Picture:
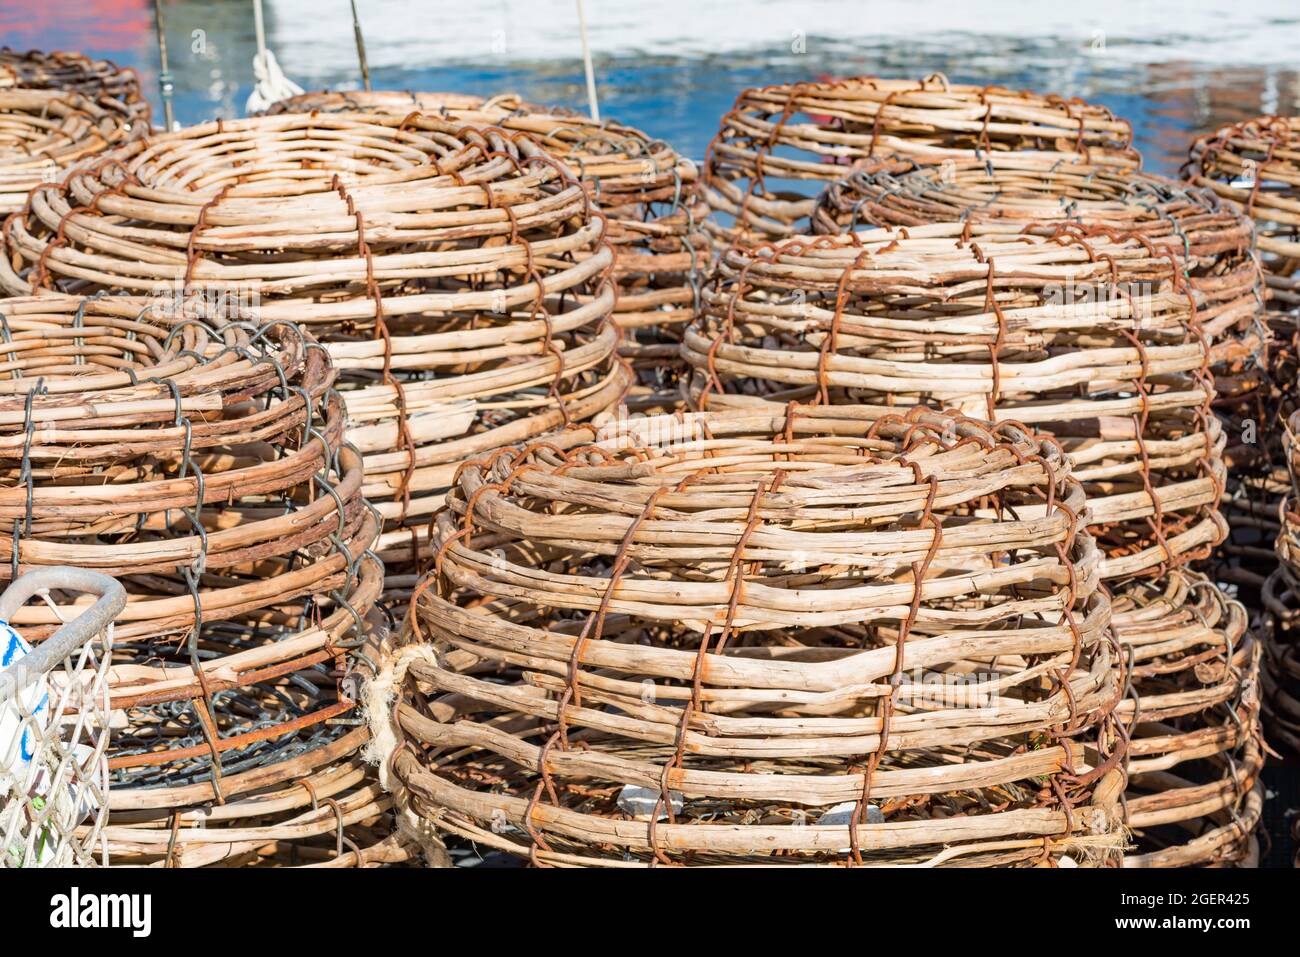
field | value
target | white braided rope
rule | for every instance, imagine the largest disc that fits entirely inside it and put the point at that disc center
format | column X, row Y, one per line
column 377, row 699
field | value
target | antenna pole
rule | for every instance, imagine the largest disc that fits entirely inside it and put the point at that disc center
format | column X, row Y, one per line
column 586, row 62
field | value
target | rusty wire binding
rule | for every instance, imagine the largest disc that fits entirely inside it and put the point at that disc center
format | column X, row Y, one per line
column 44, row 132
column 1043, row 330
column 699, row 640
column 649, row 194
column 200, row 458
column 1192, row 713
column 460, row 278
column 100, row 80
column 777, row 139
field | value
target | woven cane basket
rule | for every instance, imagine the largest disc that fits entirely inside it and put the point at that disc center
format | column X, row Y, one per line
column 1281, row 678
column 1192, row 714
column 1211, row 240
column 700, row 640
column 99, row 80
column 199, row 459
column 1090, row 338
column 44, row 132
column 649, row 194
column 460, row 279
column 778, row 139
column 1255, row 166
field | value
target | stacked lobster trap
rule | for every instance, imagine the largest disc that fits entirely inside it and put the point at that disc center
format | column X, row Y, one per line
column 1254, row 169
column 924, row 562
column 1022, row 271
column 781, row 638
column 199, row 458
column 460, row 279
column 1254, row 166
column 101, row 81
column 1213, row 245
column 1095, row 304
column 649, row 200
column 778, row 140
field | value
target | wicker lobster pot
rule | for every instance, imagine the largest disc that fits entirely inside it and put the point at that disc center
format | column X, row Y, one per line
column 1281, row 673
column 700, row 640
column 1255, row 166
column 777, row 140
column 100, row 80
column 1098, row 342
column 1281, row 678
column 1211, row 240
column 1089, row 338
column 460, row 279
column 44, row 132
column 649, row 194
column 1195, row 751
column 201, row 461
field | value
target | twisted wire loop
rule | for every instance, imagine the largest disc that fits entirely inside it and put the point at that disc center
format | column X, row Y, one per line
column 199, row 457
column 777, row 139
column 102, row 81
column 45, row 132
column 1090, row 338
column 458, row 276
column 650, row 196
column 1212, row 242
column 767, row 638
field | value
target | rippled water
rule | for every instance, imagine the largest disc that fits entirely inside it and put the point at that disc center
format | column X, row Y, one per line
column 673, row 67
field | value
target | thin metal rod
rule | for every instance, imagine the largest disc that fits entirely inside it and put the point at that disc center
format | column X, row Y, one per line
column 361, row 47
column 593, row 106
column 259, row 25
column 165, row 76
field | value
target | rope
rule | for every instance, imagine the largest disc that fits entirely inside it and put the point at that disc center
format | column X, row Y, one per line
column 378, row 700
column 272, row 85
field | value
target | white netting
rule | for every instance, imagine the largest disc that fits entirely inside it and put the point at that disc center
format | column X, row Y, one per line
column 54, row 736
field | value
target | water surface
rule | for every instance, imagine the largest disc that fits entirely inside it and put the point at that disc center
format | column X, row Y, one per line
column 673, row 67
